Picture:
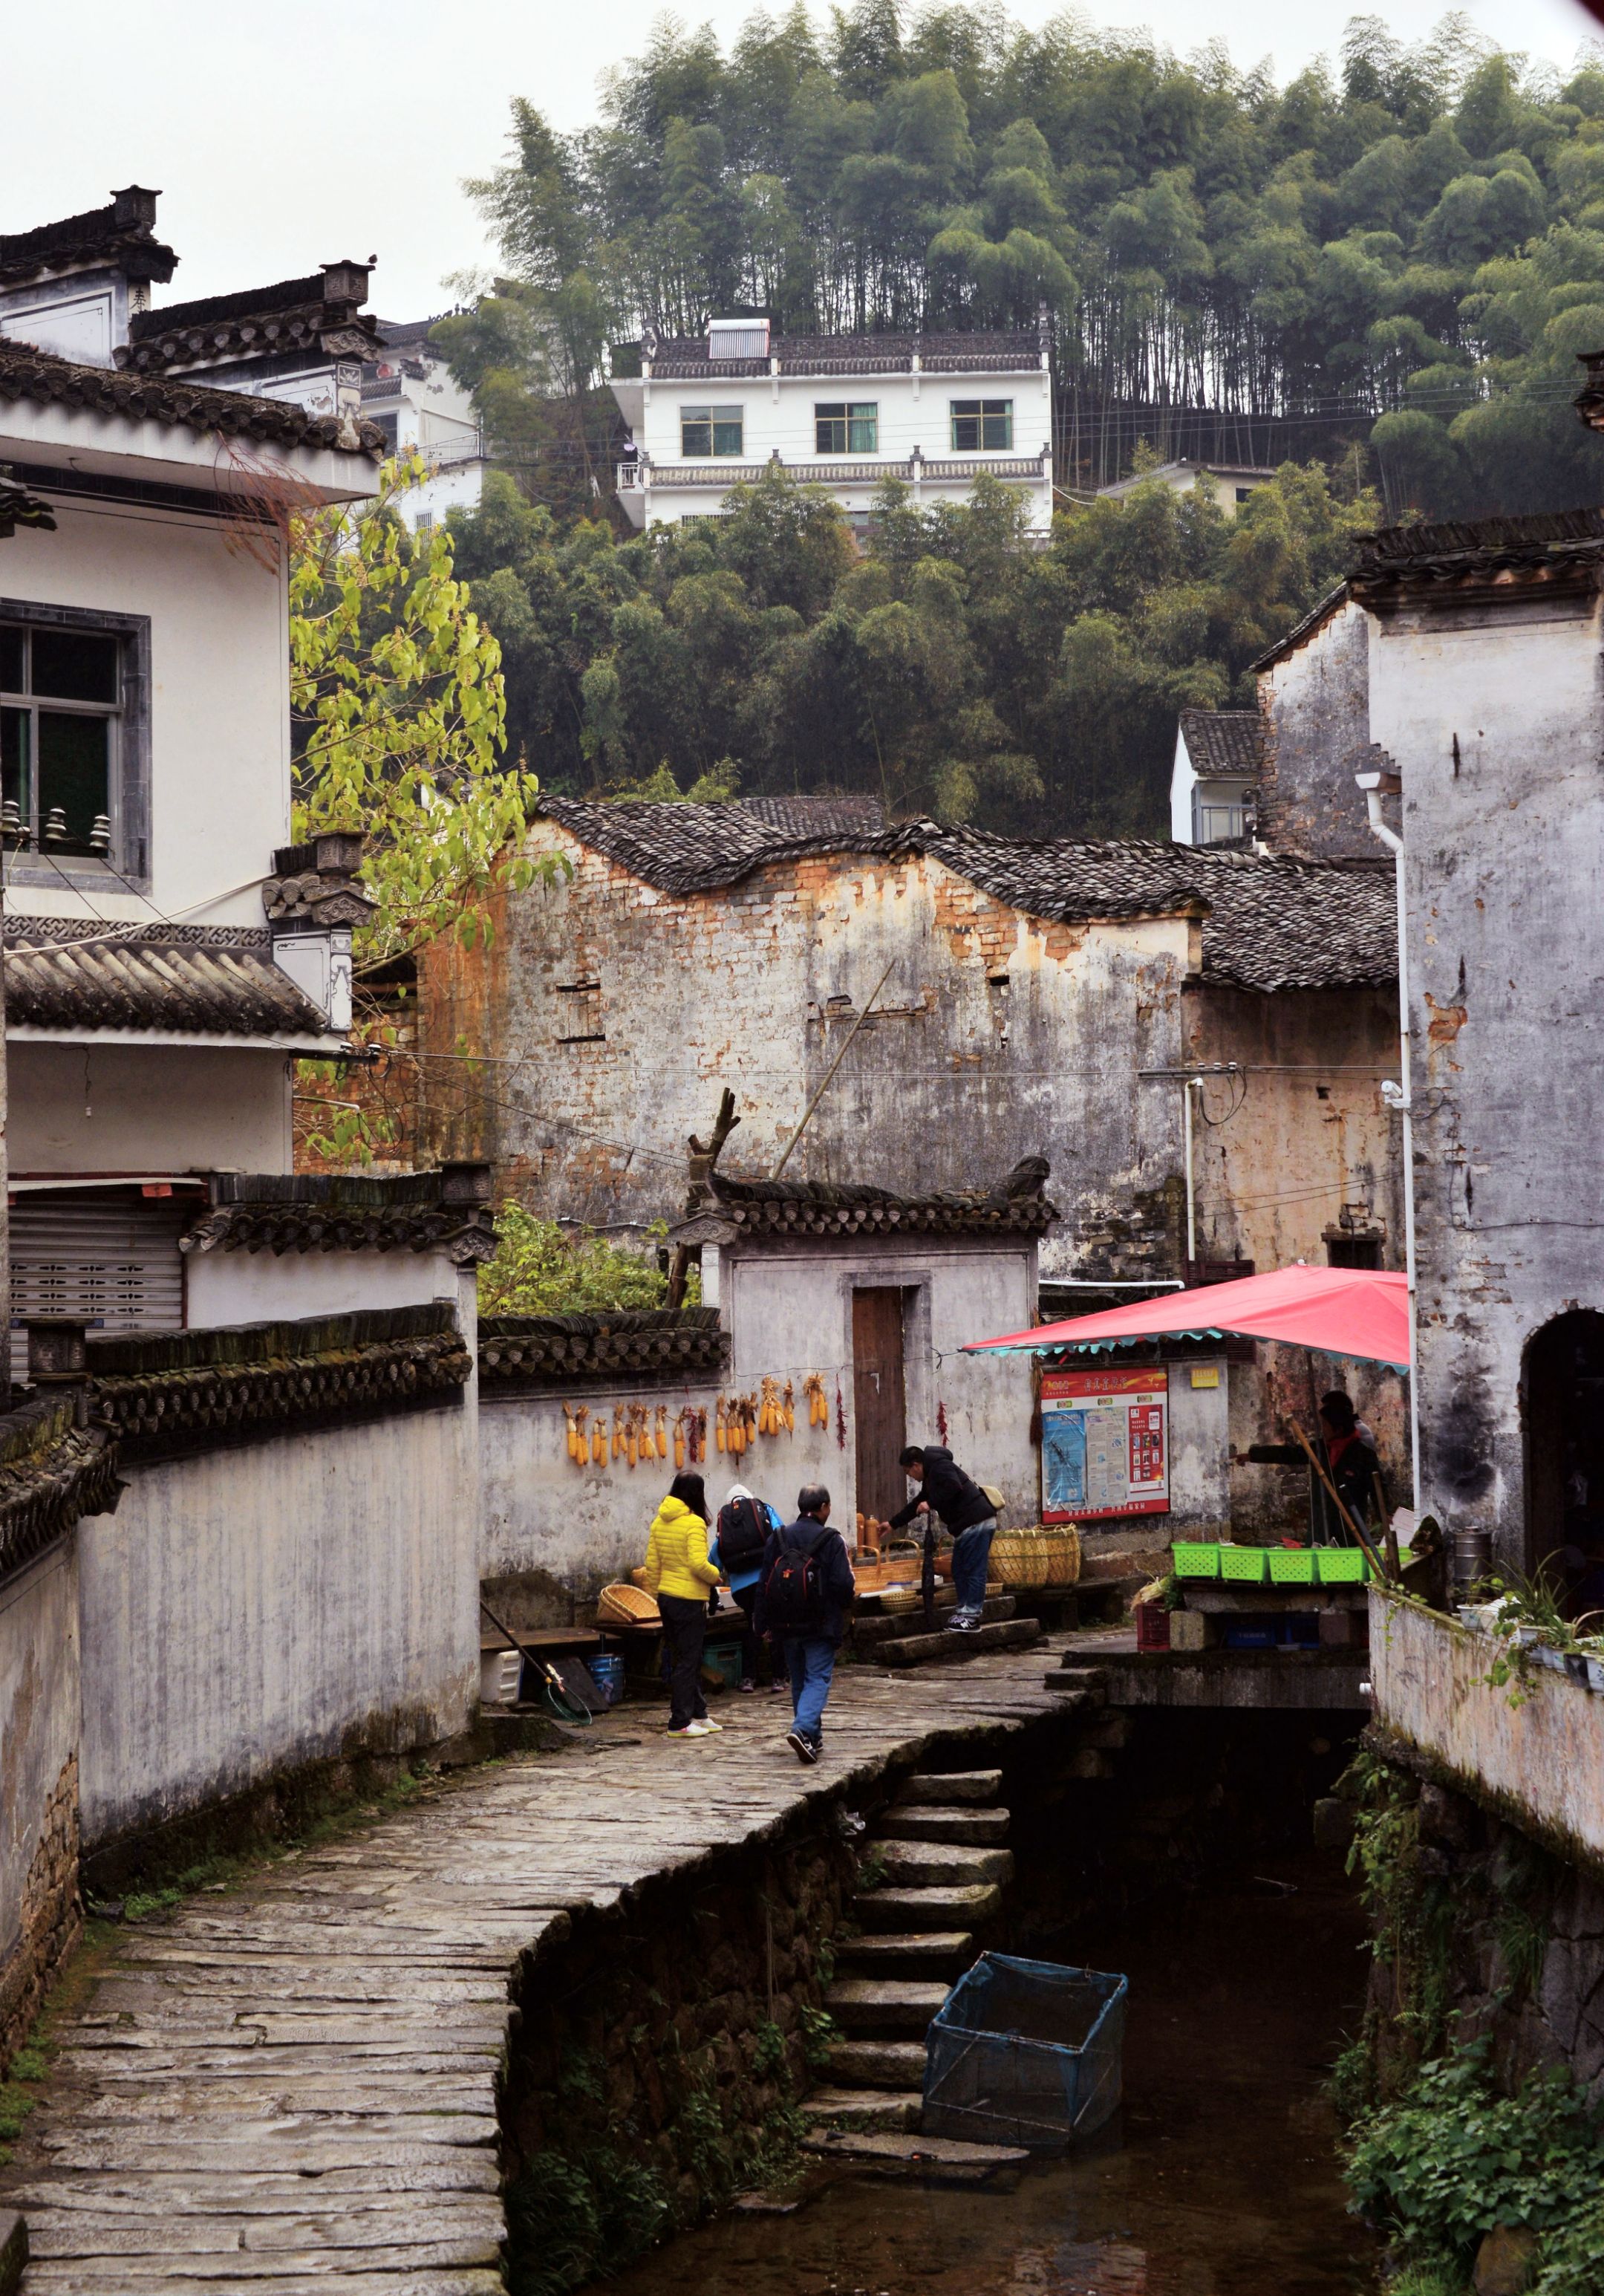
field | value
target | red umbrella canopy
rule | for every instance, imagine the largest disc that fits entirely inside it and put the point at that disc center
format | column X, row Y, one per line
column 1343, row 1311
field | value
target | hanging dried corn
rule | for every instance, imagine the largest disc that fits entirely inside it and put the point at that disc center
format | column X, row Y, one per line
column 618, row 1431
column 599, row 1440
column 573, row 1432
column 701, row 1435
column 720, row 1433
column 582, row 1440
column 662, row 1431
column 789, row 1409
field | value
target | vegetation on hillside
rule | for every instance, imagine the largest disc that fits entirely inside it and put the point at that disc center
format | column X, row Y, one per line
column 947, row 668
column 1409, row 244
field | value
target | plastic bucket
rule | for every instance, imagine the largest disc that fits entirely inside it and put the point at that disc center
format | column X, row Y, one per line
column 607, row 1672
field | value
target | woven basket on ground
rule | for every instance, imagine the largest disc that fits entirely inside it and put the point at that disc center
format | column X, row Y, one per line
column 909, row 1598
column 1040, row 1556
column 624, row 1606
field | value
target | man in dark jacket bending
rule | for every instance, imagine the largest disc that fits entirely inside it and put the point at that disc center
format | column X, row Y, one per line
column 969, row 1516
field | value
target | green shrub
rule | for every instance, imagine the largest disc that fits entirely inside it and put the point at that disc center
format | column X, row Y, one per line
column 1453, row 2158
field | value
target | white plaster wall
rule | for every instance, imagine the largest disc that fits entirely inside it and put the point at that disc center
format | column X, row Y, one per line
column 1183, row 780
column 259, row 1287
column 39, row 1715
column 1545, row 1754
column 571, row 1530
column 790, row 1315
column 1494, row 727
column 265, row 1605
column 1200, row 1437
column 219, row 699
column 152, row 1108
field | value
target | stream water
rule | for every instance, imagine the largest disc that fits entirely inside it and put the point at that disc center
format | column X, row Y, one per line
column 1218, row 2178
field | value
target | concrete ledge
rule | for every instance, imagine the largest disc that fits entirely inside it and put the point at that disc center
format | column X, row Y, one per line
column 1531, row 1749
column 14, row 2250
column 1275, row 1680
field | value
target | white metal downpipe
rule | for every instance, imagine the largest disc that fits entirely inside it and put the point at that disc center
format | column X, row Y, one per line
column 1376, row 786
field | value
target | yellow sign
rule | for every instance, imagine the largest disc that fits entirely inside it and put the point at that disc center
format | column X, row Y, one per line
column 1206, row 1374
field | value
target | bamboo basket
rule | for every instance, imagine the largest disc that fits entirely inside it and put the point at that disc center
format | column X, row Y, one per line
column 900, row 1600
column 1040, row 1556
column 623, row 1605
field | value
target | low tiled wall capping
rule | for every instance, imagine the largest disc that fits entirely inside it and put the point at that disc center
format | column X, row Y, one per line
column 649, row 1345
column 445, row 1210
column 1531, row 1747
column 54, row 1467
column 161, row 1392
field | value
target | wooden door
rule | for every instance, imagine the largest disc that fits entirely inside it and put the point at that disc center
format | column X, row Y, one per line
column 879, row 1400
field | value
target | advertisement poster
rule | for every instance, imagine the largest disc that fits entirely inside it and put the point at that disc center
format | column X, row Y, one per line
column 1105, row 1444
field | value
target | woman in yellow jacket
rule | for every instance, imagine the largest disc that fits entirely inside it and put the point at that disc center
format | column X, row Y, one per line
column 679, row 1575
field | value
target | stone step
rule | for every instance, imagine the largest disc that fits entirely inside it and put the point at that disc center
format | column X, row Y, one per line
column 944, row 1646
column 953, row 1785
column 918, row 2155
column 905, row 1948
column 929, row 1864
column 929, row 1823
column 887, row 2110
column 881, row 2006
column 966, row 1906
column 876, row 2064
column 875, row 1627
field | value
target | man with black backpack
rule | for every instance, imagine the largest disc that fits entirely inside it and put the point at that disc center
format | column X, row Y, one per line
column 805, row 1599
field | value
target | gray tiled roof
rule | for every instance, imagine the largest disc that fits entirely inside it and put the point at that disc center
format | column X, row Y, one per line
column 1562, row 545
column 1270, row 922
column 193, row 990
column 1223, row 740
column 762, row 1209
column 26, row 374
column 953, row 352
column 1319, row 612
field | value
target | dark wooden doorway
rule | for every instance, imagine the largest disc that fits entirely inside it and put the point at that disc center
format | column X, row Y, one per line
column 879, row 1399
column 1563, row 1411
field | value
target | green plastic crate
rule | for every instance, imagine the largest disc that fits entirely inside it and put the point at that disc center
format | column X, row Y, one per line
column 1247, row 1566
column 1195, row 1558
column 1342, row 1566
column 1292, row 1566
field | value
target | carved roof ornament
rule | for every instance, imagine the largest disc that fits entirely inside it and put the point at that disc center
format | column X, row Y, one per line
column 316, row 883
column 118, row 237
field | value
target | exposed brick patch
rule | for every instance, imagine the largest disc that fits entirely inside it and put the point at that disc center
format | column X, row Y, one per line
column 53, row 1914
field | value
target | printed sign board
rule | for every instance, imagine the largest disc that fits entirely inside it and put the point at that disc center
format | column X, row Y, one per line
column 1105, row 1444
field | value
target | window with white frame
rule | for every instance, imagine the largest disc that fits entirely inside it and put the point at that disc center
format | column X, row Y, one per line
column 707, row 431
column 847, row 426
column 979, row 423
column 62, row 695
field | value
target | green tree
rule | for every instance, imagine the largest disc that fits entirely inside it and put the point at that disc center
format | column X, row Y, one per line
column 398, row 714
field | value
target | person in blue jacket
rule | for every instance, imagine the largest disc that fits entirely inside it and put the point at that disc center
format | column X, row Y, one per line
column 740, row 1536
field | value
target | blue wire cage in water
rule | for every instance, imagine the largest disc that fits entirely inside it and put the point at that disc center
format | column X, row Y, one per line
column 1024, row 2053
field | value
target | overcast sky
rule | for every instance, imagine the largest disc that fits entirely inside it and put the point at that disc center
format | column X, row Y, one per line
column 314, row 131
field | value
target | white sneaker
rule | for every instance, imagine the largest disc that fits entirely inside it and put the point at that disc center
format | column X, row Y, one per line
column 699, row 1729
column 708, row 1726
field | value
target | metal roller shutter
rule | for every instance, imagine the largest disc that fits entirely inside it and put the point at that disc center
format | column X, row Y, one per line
column 105, row 1254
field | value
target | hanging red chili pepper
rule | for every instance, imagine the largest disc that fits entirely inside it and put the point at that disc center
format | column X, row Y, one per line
column 941, row 1422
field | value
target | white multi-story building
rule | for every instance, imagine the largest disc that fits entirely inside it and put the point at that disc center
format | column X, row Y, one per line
column 410, row 393
column 846, row 411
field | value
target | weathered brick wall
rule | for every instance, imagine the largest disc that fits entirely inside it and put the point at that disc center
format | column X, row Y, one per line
column 1317, row 736
column 52, row 1914
column 39, row 1720
column 996, row 1035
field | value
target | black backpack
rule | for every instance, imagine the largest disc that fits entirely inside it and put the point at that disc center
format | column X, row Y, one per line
column 742, row 1534
column 793, row 1600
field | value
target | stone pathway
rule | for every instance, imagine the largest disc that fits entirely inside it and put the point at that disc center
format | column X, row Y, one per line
column 290, row 2088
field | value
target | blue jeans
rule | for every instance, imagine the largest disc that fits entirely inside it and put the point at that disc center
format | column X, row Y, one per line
column 811, row 1658
column 972, row 1551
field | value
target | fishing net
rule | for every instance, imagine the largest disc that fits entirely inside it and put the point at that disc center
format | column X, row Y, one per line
column 1024, row 2053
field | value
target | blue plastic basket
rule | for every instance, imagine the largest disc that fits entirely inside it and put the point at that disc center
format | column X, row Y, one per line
column 607, row 1672
column 1024, row 2053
